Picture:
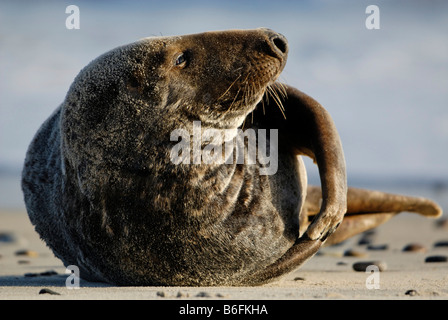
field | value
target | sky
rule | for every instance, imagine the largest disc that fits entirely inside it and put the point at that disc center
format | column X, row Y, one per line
column 386, row 89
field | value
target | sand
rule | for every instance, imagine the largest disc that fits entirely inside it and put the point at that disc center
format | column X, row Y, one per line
column 328, row 275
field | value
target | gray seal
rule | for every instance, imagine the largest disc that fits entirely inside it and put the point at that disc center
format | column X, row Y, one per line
column 102, row 190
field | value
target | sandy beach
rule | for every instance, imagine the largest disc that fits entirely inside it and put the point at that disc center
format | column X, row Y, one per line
column 29, row 270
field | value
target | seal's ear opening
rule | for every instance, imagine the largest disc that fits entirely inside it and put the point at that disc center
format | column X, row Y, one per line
column 133, row 82
column 133, row 86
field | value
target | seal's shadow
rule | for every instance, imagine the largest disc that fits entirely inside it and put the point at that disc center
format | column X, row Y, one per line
column 58, row 280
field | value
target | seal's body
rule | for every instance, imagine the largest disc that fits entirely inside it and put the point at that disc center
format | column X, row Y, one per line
column 102, row 190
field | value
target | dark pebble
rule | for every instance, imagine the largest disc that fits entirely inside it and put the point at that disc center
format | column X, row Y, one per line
column 443, row 223
column 42, row 274
column 23, row 261
column 7, row 237
column 366, row 237
column 441, row 244
column 414, row 247
column 29, row 275
column 342, row 263
column 182, row 295
column 48, row 291
column 362, row 265
column 436, row 259
column 27, row 253
column 299, row 279
column 160, row 294
column 48, row 273
column 411, row 293
column 378, row 247
column 203, row 294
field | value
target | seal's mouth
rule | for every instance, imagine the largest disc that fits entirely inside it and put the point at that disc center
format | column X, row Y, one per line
column 248, row 95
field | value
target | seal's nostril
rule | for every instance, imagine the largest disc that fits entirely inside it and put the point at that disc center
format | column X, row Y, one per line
column 280, row 44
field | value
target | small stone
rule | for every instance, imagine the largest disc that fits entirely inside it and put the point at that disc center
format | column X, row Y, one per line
column 182, row 295
column 299, row 279
column 443, row 223
column 48, row 291
column 30, row 275
column 355, row 253
column 363, row 265
column 414, row 247
column 42, row 274
column 203, row 294
column 367, row 237
column 378, row 247
column 411, row 293
column 27, row 253
column 160, row 294
column 341, row 263
column 7, row 237
column 48, row 273
column 441, row 244
column 23, row 261
column 436, row 259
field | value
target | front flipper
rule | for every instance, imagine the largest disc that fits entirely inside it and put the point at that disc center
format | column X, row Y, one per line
column 301, row 251
column 367, row 209
column 307, row 128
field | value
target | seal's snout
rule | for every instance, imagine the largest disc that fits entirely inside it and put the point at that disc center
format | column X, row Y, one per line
column 277, row 43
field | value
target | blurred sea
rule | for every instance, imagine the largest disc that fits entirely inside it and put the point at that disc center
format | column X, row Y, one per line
column 386, row 89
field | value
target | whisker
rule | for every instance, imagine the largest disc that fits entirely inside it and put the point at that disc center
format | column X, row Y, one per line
column 262, row 104
column 231, row 85
column 234, row 99
column 275, row 96
column 281, row 89
column 278, row 98
column 247, row 89
column 266, row 95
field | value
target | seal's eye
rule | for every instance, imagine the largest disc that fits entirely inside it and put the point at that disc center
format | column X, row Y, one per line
column 181, row 60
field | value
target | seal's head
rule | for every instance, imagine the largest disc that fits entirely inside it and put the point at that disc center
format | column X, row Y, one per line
column 215, row 77
column 219, row 77
column 131, row 94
